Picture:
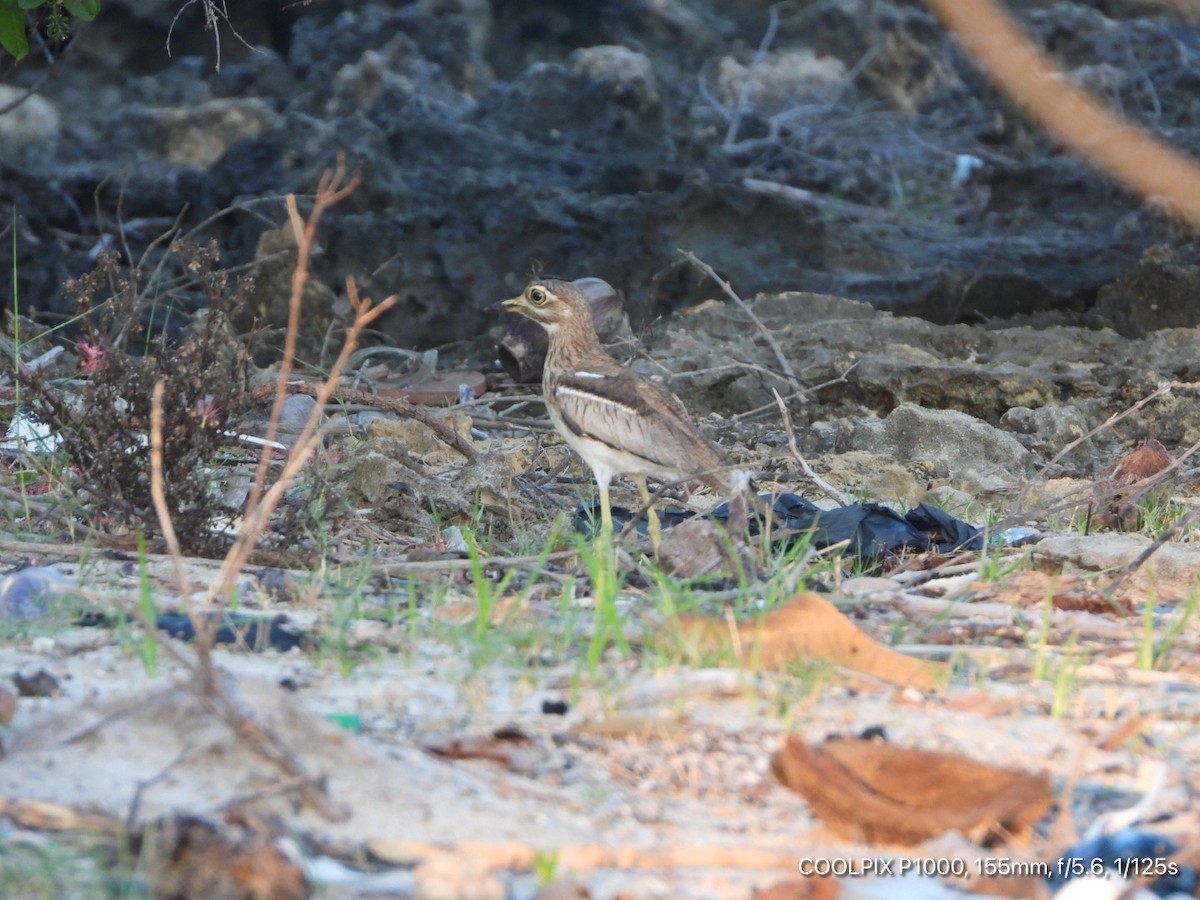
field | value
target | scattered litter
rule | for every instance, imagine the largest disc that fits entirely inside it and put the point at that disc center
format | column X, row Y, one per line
column 1127, row 854
column 965, row 165
column 256, row 441
column 1018, row 537
column 25, row 591
column 345, row 721
column 870, row 529
column 27, row 435
column 251, row 632
column 40, row 684
column 454, row 540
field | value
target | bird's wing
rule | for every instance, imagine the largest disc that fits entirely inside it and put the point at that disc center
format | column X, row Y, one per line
column 618, row 408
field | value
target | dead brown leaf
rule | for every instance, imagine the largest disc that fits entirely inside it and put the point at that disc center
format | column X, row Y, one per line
column 1116, row 487
column 1125, row 729
column 43, row 816
column 1147, row 459
column 880, row 793
column 510, row 747
column 1066, row 592
column 191, row 857
column 809, row 627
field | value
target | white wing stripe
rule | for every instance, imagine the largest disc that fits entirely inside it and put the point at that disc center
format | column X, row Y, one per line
column 564, row 391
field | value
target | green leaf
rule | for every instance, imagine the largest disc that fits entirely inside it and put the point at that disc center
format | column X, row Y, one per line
column 12, row 30
column 83, row 9
column 30, row 4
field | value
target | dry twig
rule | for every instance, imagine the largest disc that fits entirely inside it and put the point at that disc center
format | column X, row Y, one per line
column 784, row 365
column 306, row 444
column 743, row 101
column 397, row 405
column 830, row 491
column 204, row 627
column 807, row 198
column 332, row 188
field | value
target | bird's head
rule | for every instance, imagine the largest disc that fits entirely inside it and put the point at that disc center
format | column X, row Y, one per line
column 551, row 302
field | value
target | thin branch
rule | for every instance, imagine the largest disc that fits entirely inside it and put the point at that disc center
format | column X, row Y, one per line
column 743, row 100
column 330, row 190
column 202, row 626
column 306, row 444
column 784, row 365
column 803, row 197
column 397, row 405
column 814, row 389
column 832, row 492
column 259, row 737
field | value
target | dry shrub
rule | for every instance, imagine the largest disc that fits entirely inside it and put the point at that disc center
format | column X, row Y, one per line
column 104, row 426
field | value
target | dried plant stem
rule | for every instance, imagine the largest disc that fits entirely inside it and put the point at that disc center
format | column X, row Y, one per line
column 1116, row 417
column 202, row 626
column 743, row 99
column 306, row 444
column 832, row 492
column 809, row 391
column 331, row 189
column 1079, row 120
column 804, row 197
column 784, row 365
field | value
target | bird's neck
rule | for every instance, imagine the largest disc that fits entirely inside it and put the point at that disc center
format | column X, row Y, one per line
column 571, row 346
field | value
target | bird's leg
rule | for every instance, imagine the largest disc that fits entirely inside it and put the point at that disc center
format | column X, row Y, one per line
column 652, row 525
column 606, row 525
column 605, row 541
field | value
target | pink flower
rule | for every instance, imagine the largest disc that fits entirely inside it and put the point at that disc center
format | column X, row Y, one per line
column 209, row 412
column 91, row 356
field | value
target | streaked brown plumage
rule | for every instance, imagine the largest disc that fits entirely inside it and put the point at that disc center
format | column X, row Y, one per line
column 618, row 421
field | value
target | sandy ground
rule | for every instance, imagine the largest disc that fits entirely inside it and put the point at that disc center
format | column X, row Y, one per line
column 652, row 758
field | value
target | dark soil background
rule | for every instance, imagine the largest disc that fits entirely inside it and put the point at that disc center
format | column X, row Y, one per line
column 597, row 139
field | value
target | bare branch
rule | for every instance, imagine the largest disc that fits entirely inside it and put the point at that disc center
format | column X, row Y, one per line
column 832, row 492
column 745, row 307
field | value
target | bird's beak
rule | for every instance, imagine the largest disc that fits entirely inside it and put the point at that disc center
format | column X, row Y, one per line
column 512, row 304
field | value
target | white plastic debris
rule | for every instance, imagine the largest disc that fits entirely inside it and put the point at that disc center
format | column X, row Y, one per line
column 965, row 165
column 27, row 434
column 24, row 592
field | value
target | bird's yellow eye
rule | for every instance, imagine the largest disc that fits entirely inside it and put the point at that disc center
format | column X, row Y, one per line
column 537, row 296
